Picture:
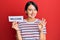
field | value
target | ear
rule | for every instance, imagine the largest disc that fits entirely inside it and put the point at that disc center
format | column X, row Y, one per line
column 26, row 12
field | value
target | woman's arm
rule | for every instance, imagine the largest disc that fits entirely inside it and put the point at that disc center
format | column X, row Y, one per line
column 18, row 35
column 42, row 36
column 42, row 29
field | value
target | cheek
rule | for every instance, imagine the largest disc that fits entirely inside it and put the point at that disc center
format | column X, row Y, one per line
column 35, row 12
column 29, row 12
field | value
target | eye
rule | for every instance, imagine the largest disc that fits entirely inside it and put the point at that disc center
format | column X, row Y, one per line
column 30, row 9
column 35, row 10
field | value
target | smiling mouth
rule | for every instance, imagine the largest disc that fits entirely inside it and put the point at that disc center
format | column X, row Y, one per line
column 32, row 14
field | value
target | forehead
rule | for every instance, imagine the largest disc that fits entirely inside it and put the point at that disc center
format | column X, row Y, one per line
column 31, row 7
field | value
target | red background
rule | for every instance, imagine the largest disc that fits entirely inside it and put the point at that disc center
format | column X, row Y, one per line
column 48, row 9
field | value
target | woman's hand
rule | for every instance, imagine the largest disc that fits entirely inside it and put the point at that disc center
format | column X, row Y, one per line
column 42, row 24
column 15, row 25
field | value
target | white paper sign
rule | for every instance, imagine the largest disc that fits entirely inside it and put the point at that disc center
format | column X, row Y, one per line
column 15, row 18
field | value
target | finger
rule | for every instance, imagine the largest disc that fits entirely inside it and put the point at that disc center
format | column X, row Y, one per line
column 45, row 23
column 44, row 20
column 15, row 22
column 40, row 22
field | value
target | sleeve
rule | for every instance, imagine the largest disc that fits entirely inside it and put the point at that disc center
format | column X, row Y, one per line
column 44, row 30
column 19, row 25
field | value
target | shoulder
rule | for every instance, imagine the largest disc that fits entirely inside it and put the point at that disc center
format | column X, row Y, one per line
column 24, row 21
column 38, row 20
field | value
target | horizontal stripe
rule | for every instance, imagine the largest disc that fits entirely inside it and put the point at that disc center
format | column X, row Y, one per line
column 29, row 26
column 30, row 30
column 30, row 35
column 29, row 38
column 26, row 23
column 37, row 37
column 44, row 30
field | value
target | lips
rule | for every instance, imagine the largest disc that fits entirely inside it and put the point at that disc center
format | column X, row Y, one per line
column 32, row 14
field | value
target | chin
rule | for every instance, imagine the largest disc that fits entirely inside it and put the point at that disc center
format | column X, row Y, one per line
column 32, row 17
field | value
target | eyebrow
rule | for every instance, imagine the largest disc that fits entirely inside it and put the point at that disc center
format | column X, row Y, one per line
column 30, row 9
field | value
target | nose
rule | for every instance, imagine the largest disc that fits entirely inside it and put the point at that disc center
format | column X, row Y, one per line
column 33, row 12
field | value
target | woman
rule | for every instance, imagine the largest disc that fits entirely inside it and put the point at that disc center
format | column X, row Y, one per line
column 31, row 28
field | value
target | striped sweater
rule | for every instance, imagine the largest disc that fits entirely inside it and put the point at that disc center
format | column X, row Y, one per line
column 30, row 30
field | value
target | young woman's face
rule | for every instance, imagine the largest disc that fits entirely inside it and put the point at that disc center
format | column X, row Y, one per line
column 31, row 11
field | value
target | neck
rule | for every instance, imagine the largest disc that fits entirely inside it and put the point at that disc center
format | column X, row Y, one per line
column 31, row 19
